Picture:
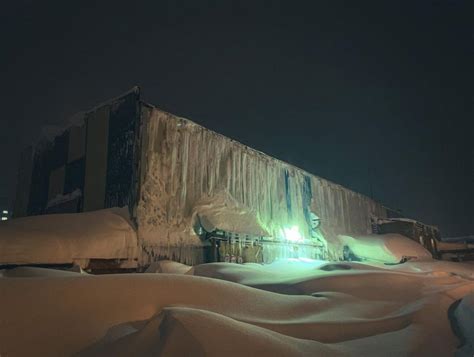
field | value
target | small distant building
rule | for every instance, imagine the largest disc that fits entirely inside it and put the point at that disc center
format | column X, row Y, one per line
column 5, row 214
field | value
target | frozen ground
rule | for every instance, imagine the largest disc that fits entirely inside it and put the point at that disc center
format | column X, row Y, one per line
column 289, row 308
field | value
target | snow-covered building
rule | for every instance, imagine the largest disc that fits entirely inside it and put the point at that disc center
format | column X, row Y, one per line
column 192, row 193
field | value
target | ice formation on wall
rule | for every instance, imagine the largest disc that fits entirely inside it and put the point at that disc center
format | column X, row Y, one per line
column 183, row 163
column 222, row 212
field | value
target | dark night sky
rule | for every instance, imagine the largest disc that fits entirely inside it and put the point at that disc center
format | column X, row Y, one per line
column 376, row 96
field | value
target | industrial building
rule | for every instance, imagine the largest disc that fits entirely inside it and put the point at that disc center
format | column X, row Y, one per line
column 194, row 195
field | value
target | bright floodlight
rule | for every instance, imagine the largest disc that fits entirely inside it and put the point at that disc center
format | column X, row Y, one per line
column 293, row 234
column 5, row 212
column 4, row 218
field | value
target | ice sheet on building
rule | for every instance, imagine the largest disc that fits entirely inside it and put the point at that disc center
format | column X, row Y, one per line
column 183, row 163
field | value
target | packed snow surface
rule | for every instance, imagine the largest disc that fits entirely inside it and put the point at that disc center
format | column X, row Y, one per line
column 288, row 308
column 68, row 238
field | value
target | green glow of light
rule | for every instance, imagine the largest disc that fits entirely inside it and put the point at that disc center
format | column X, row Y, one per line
column 292, row 234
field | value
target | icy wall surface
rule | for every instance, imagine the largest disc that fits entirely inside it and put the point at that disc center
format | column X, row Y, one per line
column 183, row 164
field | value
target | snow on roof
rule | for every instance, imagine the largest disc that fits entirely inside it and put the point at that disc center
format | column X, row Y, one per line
column 410, row 220
column 49, row 132
column 468, row 238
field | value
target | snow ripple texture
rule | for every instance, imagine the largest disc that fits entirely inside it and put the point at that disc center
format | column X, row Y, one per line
column 289, row 308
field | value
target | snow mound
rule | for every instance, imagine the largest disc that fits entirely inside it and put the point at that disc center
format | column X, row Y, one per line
column 168, row 267
column 31, row 272
column 464, row 315
column 300, row 308
column 386, row 248
column 67, row 238
column 223, row 212
column 180, row 332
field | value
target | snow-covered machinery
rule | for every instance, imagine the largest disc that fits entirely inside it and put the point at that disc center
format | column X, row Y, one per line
column 422, row 233
column 427, row 236
column 193, row 195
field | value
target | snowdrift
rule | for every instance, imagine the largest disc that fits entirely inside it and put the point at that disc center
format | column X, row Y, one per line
column 464, row 316
column 386, row 248
column 223, row 212
column 295, row 308
column 68, row 238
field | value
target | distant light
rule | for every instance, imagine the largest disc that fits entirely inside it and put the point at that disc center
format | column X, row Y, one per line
column 292, row 234
column 5, row 212
column 4, row 218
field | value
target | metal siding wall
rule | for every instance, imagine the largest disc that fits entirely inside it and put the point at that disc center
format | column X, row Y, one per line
column 77, row 143
column 56, row 182
column 96, row 159
column 25, row 171
column 59, row 153
column 121, row 152
column 74, row 176
column 40, row 179
column 75, row 167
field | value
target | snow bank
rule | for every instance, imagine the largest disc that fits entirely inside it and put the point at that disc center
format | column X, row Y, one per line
column 31, row 272
column 320, row 308
column 168, row 267
column 186, row 333
column 67, row 238
column 464, row 315
column 386, row 248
